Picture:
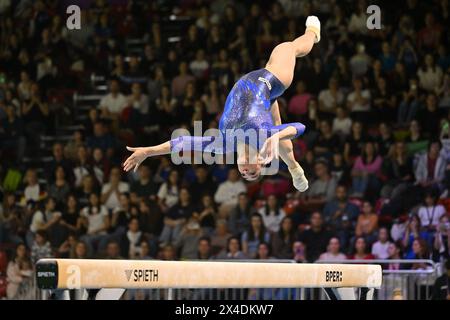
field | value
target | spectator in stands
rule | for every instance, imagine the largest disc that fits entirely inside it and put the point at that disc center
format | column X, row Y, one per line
column 360, row 250
column 113, row 250
column 342, row 124
column 315, row 238
column 299, row 252
column 322, row 189
column 282, row 241
column 202, row 185
column 70, row 218
column 200, row 65
column 431, row 212
column 67, row 247
column 255, row 234
column 71, row 147
column 46, row 219
column 36, row 114
column 409, row 106
column 11, row 220
column 340, row 214
column 60, row 188
column 416, row 141
column 333, row 252
column 205, row 214
column 359, row 102
column 19, row 272
column 88, row 186
column 150, row 216
column 330, row 99
column 131, row 240
column 113, row 103
column 219, row 237
column 168, row 193
column 327, row 142
column 188, row 240
column 101, row 166
column 95, row 220
column 360, row 61
column 33, row 190
column 354, row 144
column 176, row 217
column 233, row 250
column 441, row 285
column 41, row 247
column 80, row 251
column 204, row 249
column 412, row 233
column 144, row 186
column 367, row 223
column 139, row 104
column 397, row 171
column 239, row 217
column 12, row 133
column 380, row 248
column 430, row 74
column 111, row 190
column 264, row 252
column 180, row 82
column 430, row 117
column 420, row 250
column 272, row 214
column 227, row 193
column 59, row 160
column 298, row 104
column 441, row 243
column 366, row 170
column 82, row 166
column 102, row 139
column 395, row 253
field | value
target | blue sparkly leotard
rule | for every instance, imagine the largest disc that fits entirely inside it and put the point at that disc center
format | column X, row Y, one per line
column 247, row 107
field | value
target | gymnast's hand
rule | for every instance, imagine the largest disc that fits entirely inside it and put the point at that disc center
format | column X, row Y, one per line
column 270, row 149
column 138, row 156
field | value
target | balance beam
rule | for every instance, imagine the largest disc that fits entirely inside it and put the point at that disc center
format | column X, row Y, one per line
column 130, row 274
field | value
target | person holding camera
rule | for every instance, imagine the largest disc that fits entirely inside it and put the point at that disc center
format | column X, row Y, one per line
column 442, row 239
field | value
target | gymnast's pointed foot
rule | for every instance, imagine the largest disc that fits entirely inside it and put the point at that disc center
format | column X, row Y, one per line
column 313, row 24
column 298, row 178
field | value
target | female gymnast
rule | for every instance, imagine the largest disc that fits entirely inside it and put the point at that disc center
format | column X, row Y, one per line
column 252, row 104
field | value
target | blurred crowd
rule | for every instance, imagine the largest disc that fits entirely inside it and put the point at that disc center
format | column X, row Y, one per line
column 376, row 149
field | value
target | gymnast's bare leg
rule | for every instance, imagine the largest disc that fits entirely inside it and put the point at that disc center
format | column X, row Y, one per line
column 282, row 64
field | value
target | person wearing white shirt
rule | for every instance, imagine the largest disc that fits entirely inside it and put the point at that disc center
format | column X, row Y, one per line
column 228, row 191
column 380, row 249
column 359, row 99
column 272, row 214
column 111, row 191
column 114, row 102
column 95, row 219
column 33, row 189
column 200, row 65
column 330, row 98
column 137, row 100
column 430, row 75
column 342, row 124
column 333, row 251
column 431, row 212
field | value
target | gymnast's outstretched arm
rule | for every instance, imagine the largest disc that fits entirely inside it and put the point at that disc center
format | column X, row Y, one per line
column 182, row 143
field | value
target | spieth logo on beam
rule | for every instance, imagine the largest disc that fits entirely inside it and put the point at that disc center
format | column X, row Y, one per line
column 142, row 275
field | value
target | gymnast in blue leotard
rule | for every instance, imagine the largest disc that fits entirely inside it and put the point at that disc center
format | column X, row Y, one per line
column 251, row 106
